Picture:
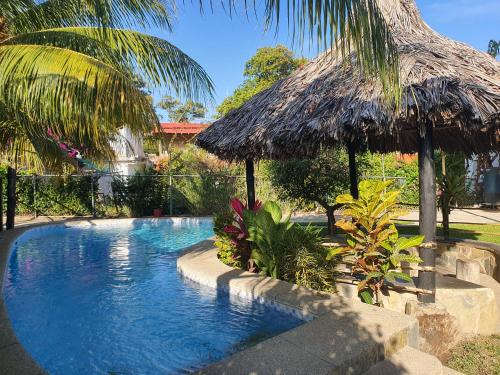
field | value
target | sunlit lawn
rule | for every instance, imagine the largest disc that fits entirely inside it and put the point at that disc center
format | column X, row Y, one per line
column 478, row 232
column 477, row 356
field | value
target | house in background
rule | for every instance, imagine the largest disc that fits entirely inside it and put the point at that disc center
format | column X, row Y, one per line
column 130, row 159
column 176, row 133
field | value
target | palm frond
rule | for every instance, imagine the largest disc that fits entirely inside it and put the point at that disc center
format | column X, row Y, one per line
column 29, row 145
column 67, row 90
column 26, row 16
column 343, row 25
column 156, row 60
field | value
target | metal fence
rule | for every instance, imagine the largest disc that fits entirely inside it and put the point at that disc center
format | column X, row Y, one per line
column 140, row 195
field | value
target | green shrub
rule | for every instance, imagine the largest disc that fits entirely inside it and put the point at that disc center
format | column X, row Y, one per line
column 221, row 219
column 227, row 252
column 286, row 250
column 305, row 260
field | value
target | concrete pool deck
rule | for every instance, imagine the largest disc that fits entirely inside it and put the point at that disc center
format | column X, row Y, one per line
column 341, row 337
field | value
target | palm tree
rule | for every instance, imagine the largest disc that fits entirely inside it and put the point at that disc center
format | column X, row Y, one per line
column 67, row 67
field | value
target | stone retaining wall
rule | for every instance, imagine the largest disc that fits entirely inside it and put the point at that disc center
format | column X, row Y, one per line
column 486, row 254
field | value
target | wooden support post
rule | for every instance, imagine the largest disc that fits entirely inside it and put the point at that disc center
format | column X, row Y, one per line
column 427, row 211
column 353, row 171
column 250, row 183
column 11, row 197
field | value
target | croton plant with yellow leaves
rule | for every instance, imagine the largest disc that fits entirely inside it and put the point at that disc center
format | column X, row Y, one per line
column 373, row 247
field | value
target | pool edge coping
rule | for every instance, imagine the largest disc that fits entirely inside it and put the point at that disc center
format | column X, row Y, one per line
column 13, row 356
column 329, row 312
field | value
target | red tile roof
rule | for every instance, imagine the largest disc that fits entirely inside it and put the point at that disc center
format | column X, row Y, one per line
column 182, row 128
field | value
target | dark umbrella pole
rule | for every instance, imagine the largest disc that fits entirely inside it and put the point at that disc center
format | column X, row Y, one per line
column 427, row 212
column 250, row 179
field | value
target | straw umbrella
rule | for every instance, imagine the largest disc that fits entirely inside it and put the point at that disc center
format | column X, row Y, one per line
column 450, row 100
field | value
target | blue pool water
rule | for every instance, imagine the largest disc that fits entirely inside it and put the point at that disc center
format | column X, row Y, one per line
column 109, row 300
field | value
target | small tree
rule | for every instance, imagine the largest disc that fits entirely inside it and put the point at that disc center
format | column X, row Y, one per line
column 316, row 180
column 268, row 65
column 452, row 191
column 182, row 112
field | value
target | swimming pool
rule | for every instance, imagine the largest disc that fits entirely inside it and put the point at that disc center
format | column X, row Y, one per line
column 107, row 299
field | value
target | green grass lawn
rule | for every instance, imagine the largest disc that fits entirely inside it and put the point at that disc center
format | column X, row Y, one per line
column 479, row 232
column 477, row 356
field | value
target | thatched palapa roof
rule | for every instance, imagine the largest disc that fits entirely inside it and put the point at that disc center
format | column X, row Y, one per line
column 446, row 82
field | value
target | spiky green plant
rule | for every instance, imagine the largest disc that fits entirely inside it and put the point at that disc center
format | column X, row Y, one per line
column 452, row 193
column 69, row 67
column 374, row 250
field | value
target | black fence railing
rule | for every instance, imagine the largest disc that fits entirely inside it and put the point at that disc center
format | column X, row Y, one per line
column 108, row 195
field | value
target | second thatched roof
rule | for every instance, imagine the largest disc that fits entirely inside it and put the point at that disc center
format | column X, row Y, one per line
column 327, row 102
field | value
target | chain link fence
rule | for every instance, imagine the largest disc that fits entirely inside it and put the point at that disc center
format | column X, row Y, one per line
column 110, row 195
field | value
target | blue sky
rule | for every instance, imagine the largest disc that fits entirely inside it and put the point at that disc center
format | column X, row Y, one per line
column 222, row 44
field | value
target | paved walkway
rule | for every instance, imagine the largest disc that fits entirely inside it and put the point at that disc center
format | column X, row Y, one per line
column 21, row 221
column 470, row 216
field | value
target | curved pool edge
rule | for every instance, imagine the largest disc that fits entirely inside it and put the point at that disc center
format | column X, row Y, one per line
column 14, row 359
column 342, row 336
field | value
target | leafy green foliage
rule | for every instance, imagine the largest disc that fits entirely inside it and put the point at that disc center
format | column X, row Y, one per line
column 267, row 66
column 182, row 112
column 318, row 180
column 346, row 25
column 405, row 169
column 141, row 193
column 373, row 248
column 305, row 260
column 268, row 233
column 228, row 253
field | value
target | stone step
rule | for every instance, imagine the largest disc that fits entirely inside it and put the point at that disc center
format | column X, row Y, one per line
column 409, row 361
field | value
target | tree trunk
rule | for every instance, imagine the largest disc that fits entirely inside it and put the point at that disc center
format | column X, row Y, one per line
column 331, row 219
column 353, row 171
column 445, row 207
column 11, row 197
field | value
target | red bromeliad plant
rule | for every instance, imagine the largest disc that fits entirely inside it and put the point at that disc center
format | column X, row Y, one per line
column 238, row 231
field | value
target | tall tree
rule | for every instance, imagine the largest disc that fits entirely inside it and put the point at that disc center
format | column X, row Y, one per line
column 267, row 66
column 315, row 180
